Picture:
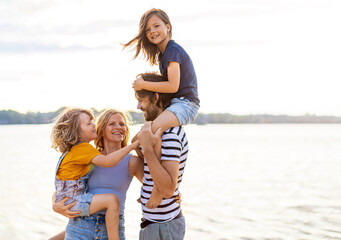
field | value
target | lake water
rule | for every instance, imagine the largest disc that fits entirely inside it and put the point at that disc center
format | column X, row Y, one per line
column 241, row 182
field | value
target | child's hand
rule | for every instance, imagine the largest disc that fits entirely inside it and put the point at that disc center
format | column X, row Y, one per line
column 135, row 144
column 136, row 137
column 138, row 84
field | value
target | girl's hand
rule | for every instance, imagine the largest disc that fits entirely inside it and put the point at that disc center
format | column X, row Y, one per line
column 138, row 84
column 61, row 208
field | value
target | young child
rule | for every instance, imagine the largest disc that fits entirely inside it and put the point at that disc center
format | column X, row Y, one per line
column 71, row 134
column 155, row 41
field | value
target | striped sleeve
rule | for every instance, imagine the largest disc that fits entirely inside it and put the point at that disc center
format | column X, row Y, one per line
column 171, row 147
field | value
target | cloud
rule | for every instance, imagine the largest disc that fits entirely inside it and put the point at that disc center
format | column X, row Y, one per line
column 218, row 43
column 9, row 76
column 29, row 47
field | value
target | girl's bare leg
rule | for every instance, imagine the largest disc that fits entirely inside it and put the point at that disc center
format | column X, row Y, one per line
column 111, row 203
column 165, row 120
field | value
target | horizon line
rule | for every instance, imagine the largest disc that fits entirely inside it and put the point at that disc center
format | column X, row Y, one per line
column 200, row 112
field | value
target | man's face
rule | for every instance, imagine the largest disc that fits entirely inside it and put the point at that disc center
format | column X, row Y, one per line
column 151, row 111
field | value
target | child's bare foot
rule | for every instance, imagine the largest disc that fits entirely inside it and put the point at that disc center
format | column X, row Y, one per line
column 154, row 200
column 151, row 204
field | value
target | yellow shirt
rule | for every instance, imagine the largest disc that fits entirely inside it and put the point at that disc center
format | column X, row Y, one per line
column 77, row 162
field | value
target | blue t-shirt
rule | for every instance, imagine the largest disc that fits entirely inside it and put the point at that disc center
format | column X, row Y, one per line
column 112, row 180
column 188, row 80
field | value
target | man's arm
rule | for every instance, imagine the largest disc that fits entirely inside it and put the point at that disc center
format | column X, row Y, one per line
column 165, row 174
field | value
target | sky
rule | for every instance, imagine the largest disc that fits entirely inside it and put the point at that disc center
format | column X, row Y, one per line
column 250, row 56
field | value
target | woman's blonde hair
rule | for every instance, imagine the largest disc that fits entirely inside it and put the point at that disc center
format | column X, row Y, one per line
column 102, row 122
column 140, row 41
column 66, row 129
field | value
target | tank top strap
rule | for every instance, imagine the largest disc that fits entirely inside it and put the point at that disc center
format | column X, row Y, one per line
column 126, row 161
column 60, row 161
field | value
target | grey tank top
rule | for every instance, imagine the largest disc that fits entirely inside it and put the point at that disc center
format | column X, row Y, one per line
column 112, row 180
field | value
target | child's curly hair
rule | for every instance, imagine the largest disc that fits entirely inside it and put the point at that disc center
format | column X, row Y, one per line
column 65, row 132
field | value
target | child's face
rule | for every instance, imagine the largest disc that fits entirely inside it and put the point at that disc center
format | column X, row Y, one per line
column 156, row 30
column 87, row 128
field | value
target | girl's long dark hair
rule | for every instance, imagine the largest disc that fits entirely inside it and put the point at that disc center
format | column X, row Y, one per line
column 140, row 41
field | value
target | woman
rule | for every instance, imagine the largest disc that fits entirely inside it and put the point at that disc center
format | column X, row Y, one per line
column 113, row 134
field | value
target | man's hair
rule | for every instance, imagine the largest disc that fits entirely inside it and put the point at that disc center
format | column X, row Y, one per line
column 164, row 100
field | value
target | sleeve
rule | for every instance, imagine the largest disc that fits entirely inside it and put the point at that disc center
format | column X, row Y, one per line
column 171, row 147
column 174, row 55
column 85, row 153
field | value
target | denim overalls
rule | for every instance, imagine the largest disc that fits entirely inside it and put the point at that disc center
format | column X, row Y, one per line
column 76, row 190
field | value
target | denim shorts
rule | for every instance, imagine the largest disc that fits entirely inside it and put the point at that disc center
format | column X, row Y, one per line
column 185, row 110
column 93, row 227
column 76, row 190
column 172, row 230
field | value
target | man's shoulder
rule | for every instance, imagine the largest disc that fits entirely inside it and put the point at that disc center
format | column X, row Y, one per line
column 174, row 130
column 174, row 133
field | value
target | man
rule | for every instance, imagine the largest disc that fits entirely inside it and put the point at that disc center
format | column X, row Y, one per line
column 166, row 220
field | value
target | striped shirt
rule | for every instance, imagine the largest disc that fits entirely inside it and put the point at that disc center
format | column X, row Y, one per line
column 174, row 148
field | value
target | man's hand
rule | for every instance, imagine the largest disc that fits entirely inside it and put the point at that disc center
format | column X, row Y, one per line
column 146, row 137
column 178, row 198
column 61, row 208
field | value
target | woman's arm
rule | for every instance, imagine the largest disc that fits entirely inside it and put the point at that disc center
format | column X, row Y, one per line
column 135, row 167
column 114, row 158
column 137, row 150
column 170, row 86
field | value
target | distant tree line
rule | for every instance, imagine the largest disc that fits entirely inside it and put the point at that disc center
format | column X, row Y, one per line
column 13, row 117
column 263, row 118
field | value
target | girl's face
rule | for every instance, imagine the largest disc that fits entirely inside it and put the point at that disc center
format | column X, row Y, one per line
column 87, row 128
column 156, row 30
column 115, row 130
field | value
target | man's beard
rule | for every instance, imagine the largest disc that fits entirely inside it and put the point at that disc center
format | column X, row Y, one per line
column 151, row 113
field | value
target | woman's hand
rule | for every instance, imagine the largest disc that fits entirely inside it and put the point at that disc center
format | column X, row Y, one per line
column 61, row 208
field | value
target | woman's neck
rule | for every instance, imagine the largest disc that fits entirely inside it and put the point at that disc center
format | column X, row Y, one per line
column 110, row 147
